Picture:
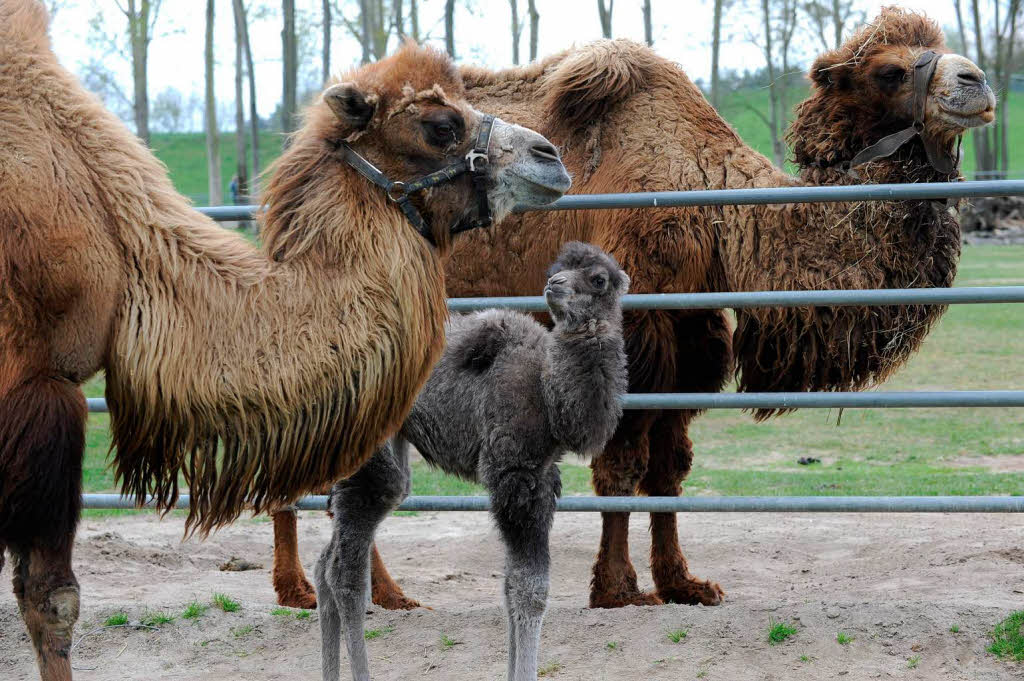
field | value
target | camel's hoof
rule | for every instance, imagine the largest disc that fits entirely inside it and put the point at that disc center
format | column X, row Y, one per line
column 396, row 602
column 301, row 600
column 693, row 591
column 622, row 599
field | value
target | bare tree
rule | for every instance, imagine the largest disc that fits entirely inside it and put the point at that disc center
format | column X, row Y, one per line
column 534, row 28
column 170, row 110
column 241, row 147
column 778, row 153
column 829, row 19
column 290, row 60
column 517, row 29
column 786, row 27
column 648, row 28
column 414, row 19
column 716, row 44
column 212, row 132
column 398, row 19
column 327, row 40
column 142, row 17
column 605, row 12
column 254, row 117
column 449, row 27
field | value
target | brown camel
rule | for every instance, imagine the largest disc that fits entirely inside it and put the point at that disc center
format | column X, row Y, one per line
column 258, row 376
column 628, row 120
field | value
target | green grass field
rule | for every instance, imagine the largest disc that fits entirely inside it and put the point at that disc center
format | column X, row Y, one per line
column 873, row 451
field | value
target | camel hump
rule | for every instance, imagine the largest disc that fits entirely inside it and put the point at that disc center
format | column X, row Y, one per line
column 592, row 80
column 24, row 22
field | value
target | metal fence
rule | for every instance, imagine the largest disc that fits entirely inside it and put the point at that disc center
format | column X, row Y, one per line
column 677, row 301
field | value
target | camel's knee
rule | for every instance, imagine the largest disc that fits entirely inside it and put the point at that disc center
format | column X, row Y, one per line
column 50, row 617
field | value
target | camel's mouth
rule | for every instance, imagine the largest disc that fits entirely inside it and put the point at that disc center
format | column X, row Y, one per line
column 968, row 119
column 551, row 186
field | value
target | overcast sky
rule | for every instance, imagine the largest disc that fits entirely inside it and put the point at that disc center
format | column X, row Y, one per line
column 682, row 31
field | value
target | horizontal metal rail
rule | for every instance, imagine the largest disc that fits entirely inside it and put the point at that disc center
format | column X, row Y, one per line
column 950, row 504
column 750, row 299
column 739, row 197
column 780, row 400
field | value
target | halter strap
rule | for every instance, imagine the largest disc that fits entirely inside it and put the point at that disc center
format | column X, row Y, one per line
column 474, row 162
column 940, row 159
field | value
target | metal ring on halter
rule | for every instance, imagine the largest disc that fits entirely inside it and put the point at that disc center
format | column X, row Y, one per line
column 396, row 191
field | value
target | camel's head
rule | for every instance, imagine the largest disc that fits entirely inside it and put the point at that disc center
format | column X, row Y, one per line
column 407, row 114
column 585, row 284
column 865, row 90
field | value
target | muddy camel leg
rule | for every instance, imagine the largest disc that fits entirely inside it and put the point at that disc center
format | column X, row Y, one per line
column 671, row 457
column 359, row 504
column 617, row 472
column 290, row 584
column 386, row 592
column 47, row 594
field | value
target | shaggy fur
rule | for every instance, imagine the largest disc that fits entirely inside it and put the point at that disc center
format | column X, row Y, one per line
column 649, row 128
column 256, row 376
column 506, row 401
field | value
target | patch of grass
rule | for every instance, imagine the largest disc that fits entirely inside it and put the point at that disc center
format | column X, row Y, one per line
column 843, row 639
column 677, row 635
column 241, row 631
column 194, row 610
column 118, row 619
column 550, row 669
column 779, row 631
column 405, row 514
column 914, row 661
column 156, row 619
column 303, row 615
column 226, row 603
column 373, row 634
column 702, row 672
column 281, row 612
column 806, row 658
column 612, row 645
column 447, row 642
column 1008, row 637
column 954, row 629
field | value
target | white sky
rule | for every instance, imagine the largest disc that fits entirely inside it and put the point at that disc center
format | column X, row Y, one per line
column 682, row 31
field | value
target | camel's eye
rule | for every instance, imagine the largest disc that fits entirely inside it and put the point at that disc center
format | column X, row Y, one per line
column 598, row 281
column 443, row 129
column 890, row 76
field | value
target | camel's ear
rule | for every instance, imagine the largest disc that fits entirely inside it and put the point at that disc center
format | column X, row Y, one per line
column 831, row 70
column 350, row 104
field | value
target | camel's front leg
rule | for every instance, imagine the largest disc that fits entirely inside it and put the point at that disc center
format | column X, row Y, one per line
column 290, row 584
column 523, row 505
column 386, row 592
column 47, row 594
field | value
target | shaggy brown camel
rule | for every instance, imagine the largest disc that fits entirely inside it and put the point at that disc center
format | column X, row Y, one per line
column 258, row 376
column 629, row 121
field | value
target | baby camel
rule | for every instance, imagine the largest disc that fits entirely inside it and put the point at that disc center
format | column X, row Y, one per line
column 506, row 401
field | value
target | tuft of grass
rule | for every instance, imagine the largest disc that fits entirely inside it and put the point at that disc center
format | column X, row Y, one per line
column 405, row 514
column 806, row 658
column 550, row 669
column 702, row 672
column 447, row 642
column 281, row 612
column 156, row 619
column 612, row 645
column 779, row 631
column 226, row 603
column 302, row 615
column 677, row 635
column 118, row 619
column 954, row 629
column 914, row 661
column 372, row 634
column 843, row 639
column 241, row 631
column 194, row 610
column 1008, row 637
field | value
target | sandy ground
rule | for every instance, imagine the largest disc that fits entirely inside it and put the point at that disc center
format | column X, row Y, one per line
column 895, row 583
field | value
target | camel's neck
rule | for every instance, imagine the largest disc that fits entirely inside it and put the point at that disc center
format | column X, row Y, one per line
column 584, row 375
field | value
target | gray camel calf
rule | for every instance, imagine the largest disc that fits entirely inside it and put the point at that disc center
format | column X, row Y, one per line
column 503, row 405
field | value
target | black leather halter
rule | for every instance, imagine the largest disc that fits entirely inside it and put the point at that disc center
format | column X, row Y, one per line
column 474, row 163
column 940, row 159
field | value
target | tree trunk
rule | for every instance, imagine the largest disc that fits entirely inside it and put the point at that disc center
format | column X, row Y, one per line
column 212, row 134
column 327, row 42
column 414, row 19
column 716, row 44
column 366, row 30
column 982, row 150
column 606, row 17
column 648, row 29
column 290, row 61
column 241, row 149
column 777, row 153
column 1014, row 10
column 139, row 31
column 449, row 27
column 399, row 19
column 534, row 27
column 516, row 30
column 837, row 23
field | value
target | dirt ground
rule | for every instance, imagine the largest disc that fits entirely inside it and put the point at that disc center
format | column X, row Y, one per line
column 895, row 583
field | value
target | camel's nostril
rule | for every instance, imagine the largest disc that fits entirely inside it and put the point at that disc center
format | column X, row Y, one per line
column 970, row 78
column 545, row 152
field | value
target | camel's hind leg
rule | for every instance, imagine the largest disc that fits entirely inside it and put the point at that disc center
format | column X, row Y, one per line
column 359, row 504
column 42, row 438
column 386, row 592
column 290, row 584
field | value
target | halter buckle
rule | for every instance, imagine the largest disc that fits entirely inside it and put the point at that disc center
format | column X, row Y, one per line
column 474, row 156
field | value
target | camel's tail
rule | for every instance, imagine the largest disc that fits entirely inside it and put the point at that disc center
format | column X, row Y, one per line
column 24, row 22
column 596, row 78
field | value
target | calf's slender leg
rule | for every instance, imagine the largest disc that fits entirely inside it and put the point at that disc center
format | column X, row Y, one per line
column 359, row 504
